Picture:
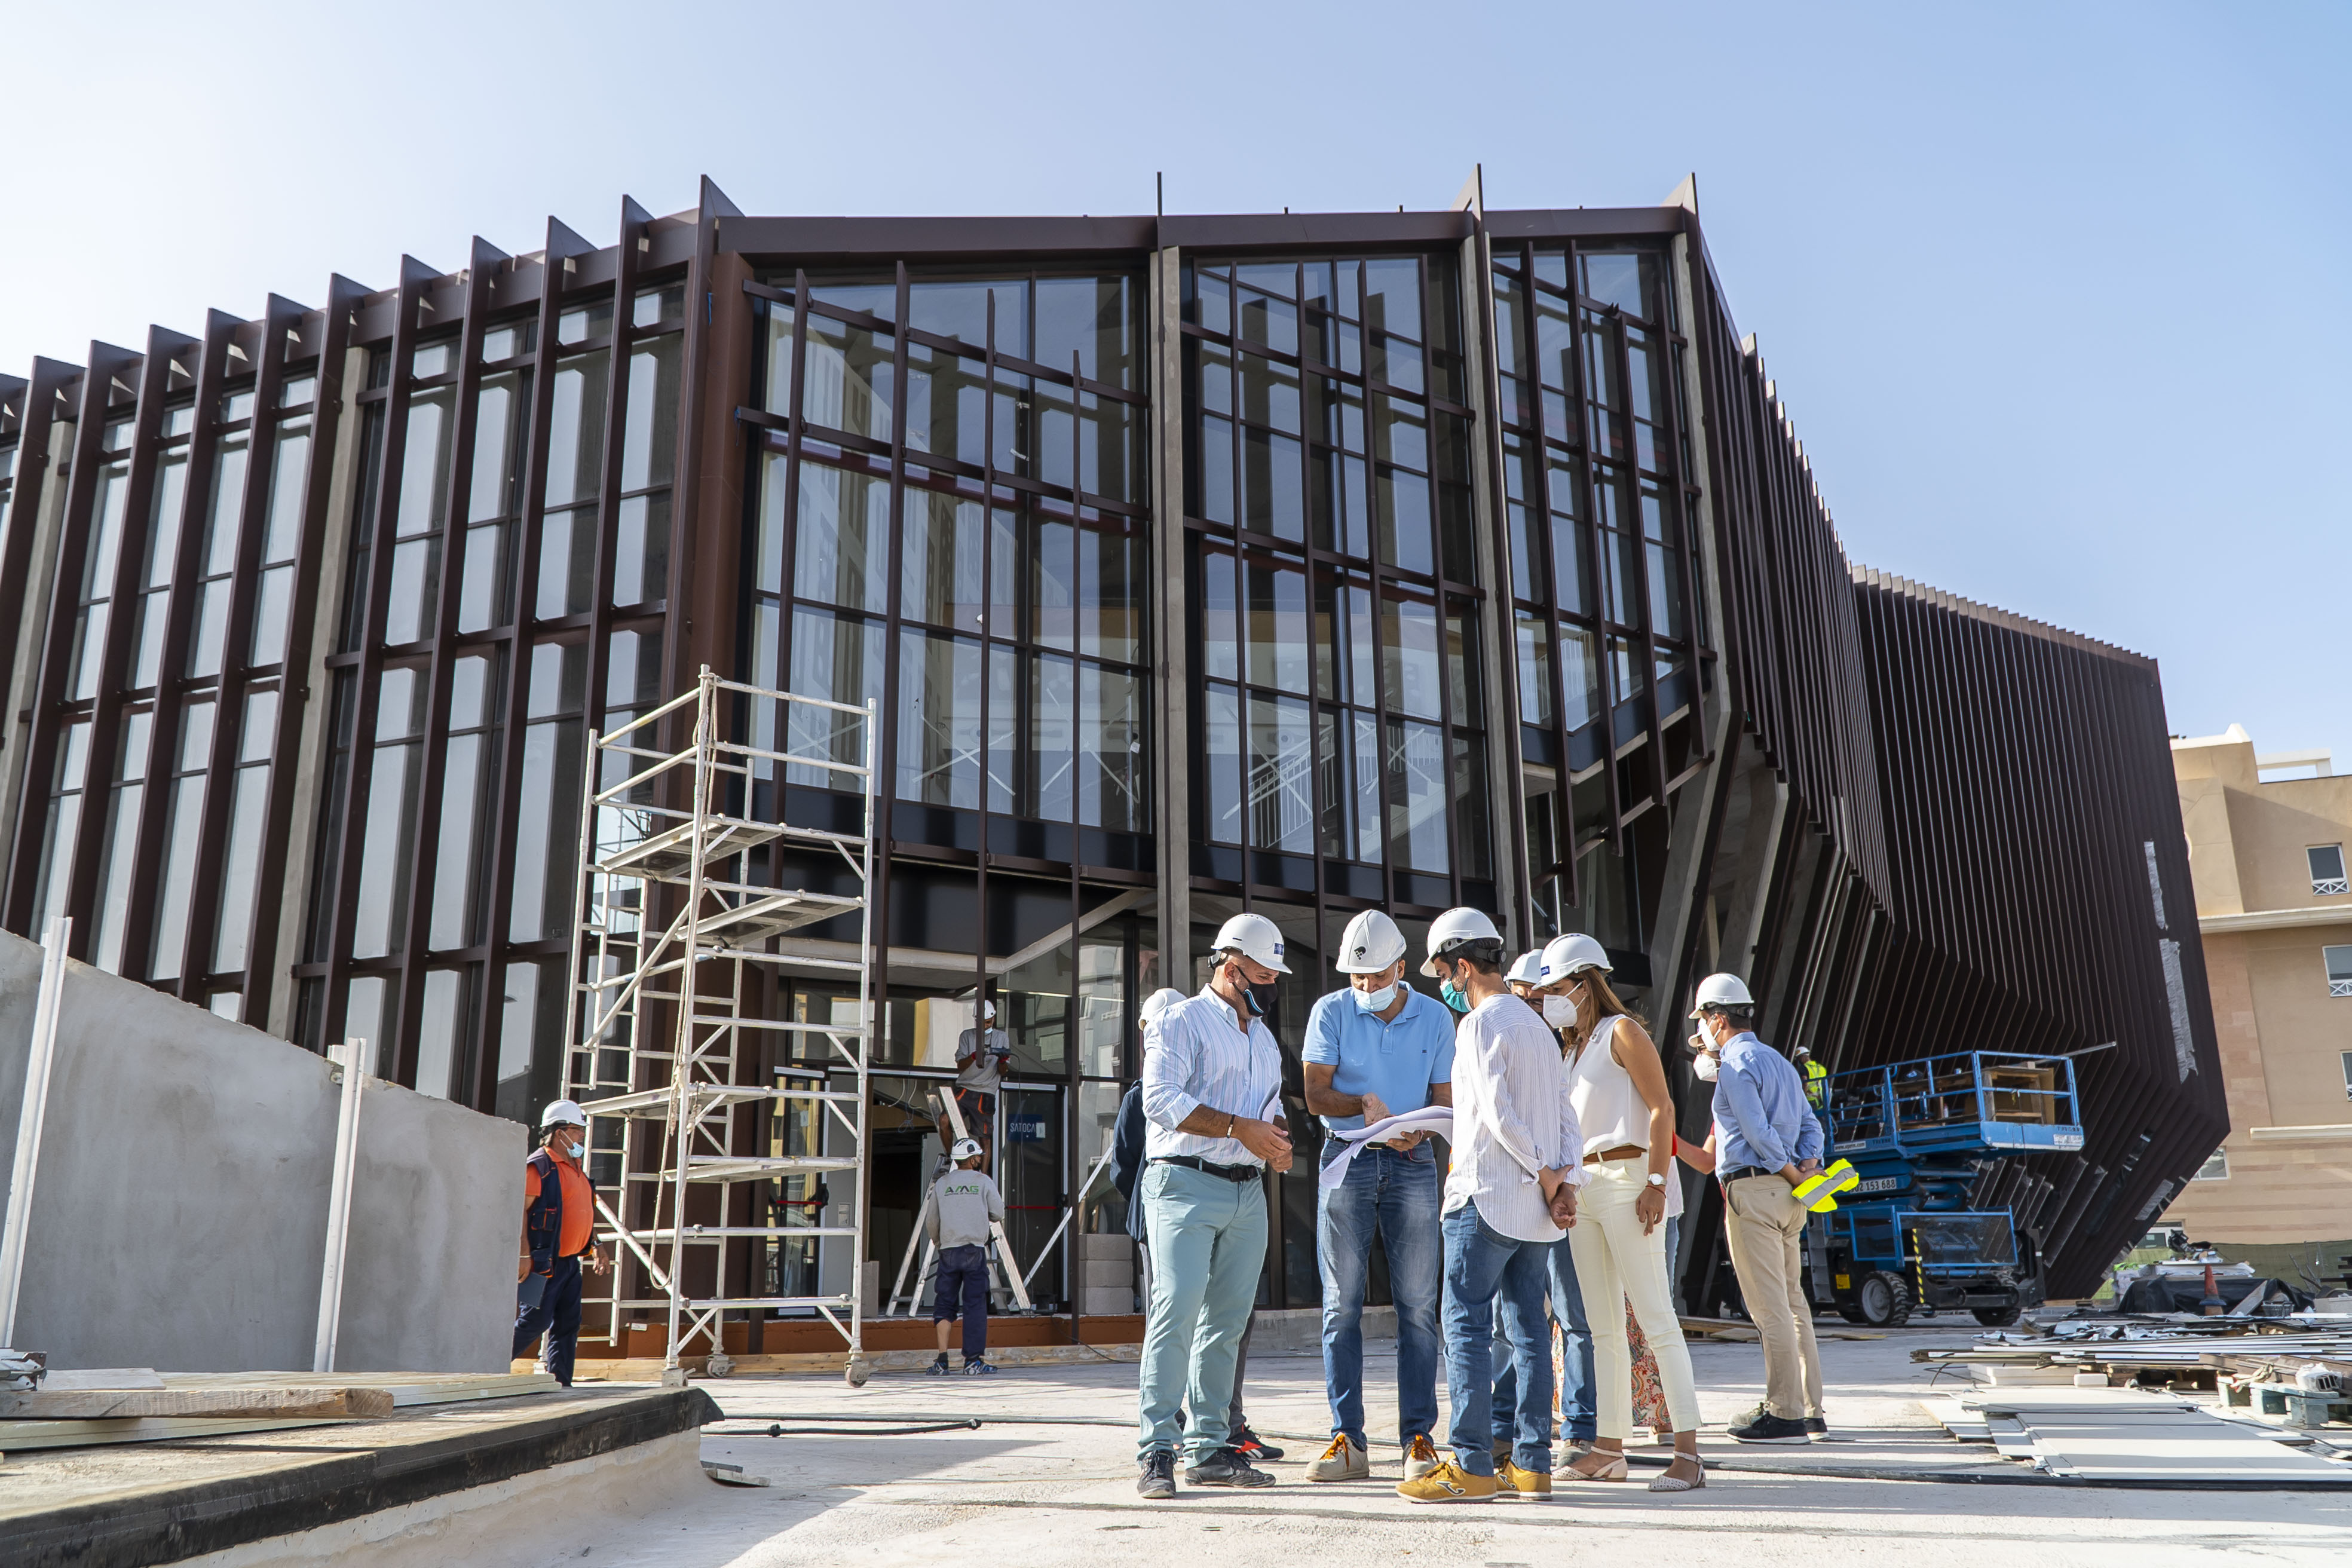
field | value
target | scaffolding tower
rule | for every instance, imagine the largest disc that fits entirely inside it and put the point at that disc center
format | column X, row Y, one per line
column 667, row 1035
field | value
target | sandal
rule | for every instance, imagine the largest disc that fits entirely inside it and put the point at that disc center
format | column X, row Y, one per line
column 1676, row 1483
column 1612, row 1470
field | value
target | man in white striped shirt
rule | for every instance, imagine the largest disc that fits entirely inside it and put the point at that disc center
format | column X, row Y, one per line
column 1511, row 1192
column 1212, row 1095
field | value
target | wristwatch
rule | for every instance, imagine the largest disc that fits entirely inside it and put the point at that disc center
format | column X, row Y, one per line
column 1657, row 1178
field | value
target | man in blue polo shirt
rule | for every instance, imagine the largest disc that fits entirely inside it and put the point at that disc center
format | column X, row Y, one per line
column 1377, row 1049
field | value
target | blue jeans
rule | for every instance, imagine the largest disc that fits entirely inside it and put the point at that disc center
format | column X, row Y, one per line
column 1485, row 1270
column 1577, row 1422
column 1397, row 1195
column 1674, row 1261
column 1208, row 1248
column 963, row 1288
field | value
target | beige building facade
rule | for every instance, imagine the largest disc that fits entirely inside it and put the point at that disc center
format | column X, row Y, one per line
column 2267, row 853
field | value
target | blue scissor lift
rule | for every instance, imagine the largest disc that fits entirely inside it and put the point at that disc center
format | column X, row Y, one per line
column 1917, row 1133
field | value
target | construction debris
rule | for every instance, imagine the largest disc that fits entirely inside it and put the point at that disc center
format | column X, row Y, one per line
column 209, row 1404
column 2126, row 1436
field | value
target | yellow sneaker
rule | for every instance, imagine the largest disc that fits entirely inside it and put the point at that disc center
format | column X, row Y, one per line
column 1448, row 1483
column 1419, row 1457
column 1527, row 1486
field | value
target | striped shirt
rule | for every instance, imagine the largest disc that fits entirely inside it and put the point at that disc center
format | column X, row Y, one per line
column 1193, row 1055
column 1511, row 1118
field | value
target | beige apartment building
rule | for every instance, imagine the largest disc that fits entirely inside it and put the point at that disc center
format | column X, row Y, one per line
column 2266, row 853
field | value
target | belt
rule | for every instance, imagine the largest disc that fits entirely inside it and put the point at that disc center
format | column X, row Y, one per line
column 1623, row 1151
column 1235, row 1173
column 1740, row 1173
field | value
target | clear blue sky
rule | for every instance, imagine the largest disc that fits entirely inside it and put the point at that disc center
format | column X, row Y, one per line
column 2060, row 296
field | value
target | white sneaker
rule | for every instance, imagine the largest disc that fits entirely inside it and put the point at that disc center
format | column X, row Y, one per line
column 1420, row 1458
column 1344, row 1460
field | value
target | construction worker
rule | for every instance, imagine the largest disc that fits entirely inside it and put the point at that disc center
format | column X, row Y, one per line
column 1817, row 1078
column 1212, row 1094
column 961, row 1221
column 981, row 1055
column 1375, row 1049
column 558, row 1224
column 1510, row 1195
column 1127, row 1161
column 1767, row 1142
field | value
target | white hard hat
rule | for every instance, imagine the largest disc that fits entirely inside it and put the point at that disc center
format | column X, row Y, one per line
column 1722, row 991
column 1564, row 955
column 1370, row 943
column 564, row 1113
column 1458, row 925
column 1255, row 938
column 965, row 1148
column 988, row 1009
column 1527, row 969
column 1159, row 1002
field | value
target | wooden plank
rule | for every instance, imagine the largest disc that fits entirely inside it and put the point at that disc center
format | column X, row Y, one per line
column 229, row 1403
column 21, row 1436
column 407, row 1388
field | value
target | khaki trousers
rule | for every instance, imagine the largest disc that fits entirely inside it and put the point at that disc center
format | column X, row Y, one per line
column 1766, row 1227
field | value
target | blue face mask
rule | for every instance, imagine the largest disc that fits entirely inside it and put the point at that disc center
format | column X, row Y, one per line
column 1452, row 996
column 1375, row 1001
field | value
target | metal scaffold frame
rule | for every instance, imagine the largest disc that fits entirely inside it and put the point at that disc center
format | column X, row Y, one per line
column 662, row 1037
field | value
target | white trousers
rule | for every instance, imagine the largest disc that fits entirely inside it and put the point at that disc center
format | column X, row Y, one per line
column 1615, row 1264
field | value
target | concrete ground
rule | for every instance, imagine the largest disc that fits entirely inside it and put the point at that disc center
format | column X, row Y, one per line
column 1034, row 1488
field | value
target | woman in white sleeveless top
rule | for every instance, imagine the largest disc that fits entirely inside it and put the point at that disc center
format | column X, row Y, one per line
column 1619, row 1088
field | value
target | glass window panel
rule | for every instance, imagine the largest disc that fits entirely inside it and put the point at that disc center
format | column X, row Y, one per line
column 1366, row 768
column 1555, row 344
column 492, row 487
column 119, row 853
column 1417, row 791
column 1219, row 632
column 768, row 564
column 577, row 326
column 664, row 307
column 1217, row 470
column 1212, row 299
column 1335, row 789
column 1396, row 361
column 1626, row 591
column 1220, row 735
column 1268, row 320
column 1053, row 581
column 1464, row 688
column 959, row 310
column 1625, row 668
column 64, row 824
column 650, row 437
column 1470, row 800
column 1269, row 394
column 846, row 378
column 430, row 360
column 946, row 403
column 289, row 478
column 502, row 344
column 240, row 868
column 1534, row 643
column 414, row 591
column 482, row 592
column 518, row 1034
column 211, row 634
column 1580, row 676
column 163, row 530
column 1092, row 318
column 1510, row 324
column 1113, row 569
column 1054, row 451
column 1409, row 652
column 1272, row 485
column 575, row 436
column 1404, row 520
column 878, row 299
column 424, row 464
column 1053, row 736
column 839, row 658
column 1629, row 281
column 640, row 549
column 368, row 1020
column 842, row 547
column 938, row 719
column 171, row 936
column 546, row 839
column 1666, row 595
column 1281, row 769
column 439, row 1023
column 1393, row 295
column 1102, row 1021
column 1011, row 435
column 1110, row 749
column 1278, row 652
column 1401, row 433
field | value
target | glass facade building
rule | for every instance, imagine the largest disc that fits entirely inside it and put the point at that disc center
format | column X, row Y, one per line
column 1292, row 564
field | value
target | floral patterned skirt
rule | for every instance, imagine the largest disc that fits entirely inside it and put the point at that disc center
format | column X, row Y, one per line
column 1649, row 1398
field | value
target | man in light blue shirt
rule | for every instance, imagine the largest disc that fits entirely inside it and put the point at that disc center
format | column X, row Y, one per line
column 1767, row 1140
column 1376, row 1050
column 1212, row 1095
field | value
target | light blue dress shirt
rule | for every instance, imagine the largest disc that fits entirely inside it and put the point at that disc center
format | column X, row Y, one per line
column 1761, row 1116
column 1396, row 1058
column 1194, row 1055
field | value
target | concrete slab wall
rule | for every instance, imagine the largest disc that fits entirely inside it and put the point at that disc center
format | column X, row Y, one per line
column 179, row 1214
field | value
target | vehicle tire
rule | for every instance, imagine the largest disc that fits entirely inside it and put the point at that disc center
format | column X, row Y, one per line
column 1883, row 1300
column 1998, row 1317
column 1850, row 1312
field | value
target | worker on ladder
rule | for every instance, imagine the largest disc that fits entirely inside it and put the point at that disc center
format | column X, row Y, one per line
column 558, row 1224
column 981, row 1055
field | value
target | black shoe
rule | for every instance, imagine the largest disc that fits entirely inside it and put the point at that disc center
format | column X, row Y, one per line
column 1225, row 1469
column 1159, row 1477
column 1816, row 1429
column 1247, row 1444
column 939, row 1368
column 1771, row 1428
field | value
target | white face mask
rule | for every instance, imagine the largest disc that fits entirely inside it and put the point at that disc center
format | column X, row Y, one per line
column 1374, row 1001
column 578, row 1151
column 1559, row 1012
column 1705, row 1067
